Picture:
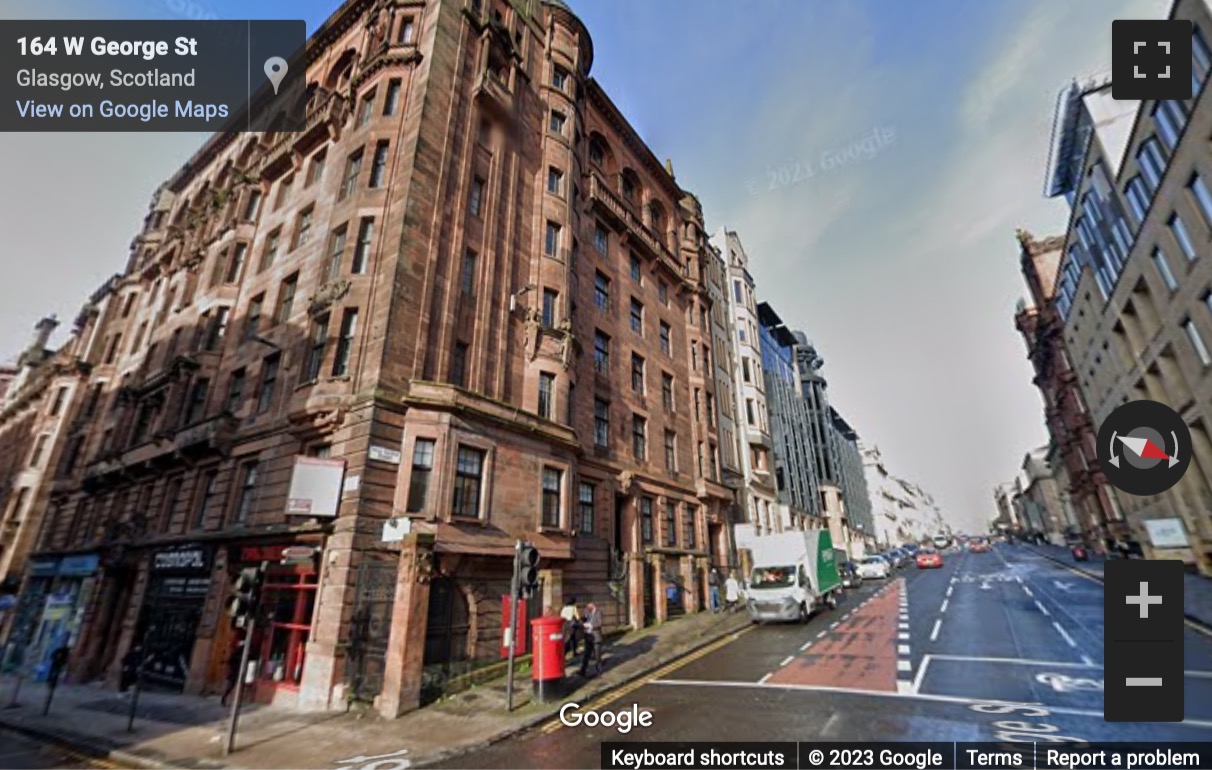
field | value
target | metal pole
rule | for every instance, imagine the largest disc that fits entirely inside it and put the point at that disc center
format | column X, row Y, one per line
column 50, row 693
column 134, row 698
column 513, row 624
column 230, row 746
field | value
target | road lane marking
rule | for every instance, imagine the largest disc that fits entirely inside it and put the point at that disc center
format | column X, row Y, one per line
column 805, row 646
column 904, row 687
column 834, row 624
column 934, row 633
column 1027, row 590
column 1088, row 660
column 944, row 607
column 921, row 675
column 1065, row 634
column 1198, row 674
column 949, row 590
column 787, row 660
column 903, row 635
column 1013, row 661
column 821, row 635
column 1198, row 628
column 902, row 649
column 760, row 681
column 904, row 665
column 1042, row 608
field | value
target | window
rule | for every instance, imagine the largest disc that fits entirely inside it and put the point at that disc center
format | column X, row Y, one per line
column 1197, row 342
column 39, row 447
column 557, row 122
column 637, row 373
column 601, row 291
column 345, row 342
column 286, row 301
column 408, row 30
column 663, row 293
column 422, row 471
column 546, row 395
column 252, row 206
column 665, row 334
column 316, row 349
column 745, row 369
column 639, row 437
column 671, row 453
column 1169, row 117
column 553, row 479
column 635, row 268
column 378, row 166
column 601, row 423
column 252, row 320
column 458, row 364
column 671, row 523
column 316, row 171
column 468, row 470
column 475, row 200
column 667, row 391
column 361, row 257
column 1138, row 198
column 736, row 291
column 1163, row 269
column 601, row 239
column 248, row 491
column 60, row 398
column 585, row 495
column 114, row 344
column 353, row 169
column 303, row 227
column 637, row 316
column 172, row 494
column 601, row 352
column 749, row 411
column 559, row 78
column 392, row 102
column 555, row 181
column 235, row 265
column 551, row 298
column 551, row 244
column 367, row 108
column 94, row 400
column 271, row 249
column 710, row 410
column 206, row 494
column 269, row 380
column 688, row 527
column 646, row 520
column 1199, row 190
column 1202, row 61
column 694, row 357
column 336, row 251
column 235, row 392
column 467, row 278
column 195, row 408
column 284, row 191
column 1152, row 162
column 1179, row 230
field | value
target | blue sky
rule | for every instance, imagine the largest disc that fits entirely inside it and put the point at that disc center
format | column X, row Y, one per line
column 898, row 260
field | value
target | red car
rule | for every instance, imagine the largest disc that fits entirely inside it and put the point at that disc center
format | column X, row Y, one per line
column 978, row 546
column 928, row 558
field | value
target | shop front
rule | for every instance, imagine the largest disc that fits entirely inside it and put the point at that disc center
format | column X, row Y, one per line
column 51, row 610
column 288, row 600
column 178, row 582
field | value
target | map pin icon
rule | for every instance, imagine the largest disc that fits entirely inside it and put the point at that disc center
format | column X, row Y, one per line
column 275, row 70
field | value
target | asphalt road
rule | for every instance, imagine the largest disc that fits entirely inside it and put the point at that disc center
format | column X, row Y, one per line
column 20, row 753
column 1004, row 646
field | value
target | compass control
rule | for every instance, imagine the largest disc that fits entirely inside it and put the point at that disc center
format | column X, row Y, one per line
column 1144, row 447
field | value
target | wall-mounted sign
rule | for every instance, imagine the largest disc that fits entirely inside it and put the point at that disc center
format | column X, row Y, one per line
column 352, row 483
column 315, row 487
column 384, row 455
column 184, row 558
column 395, row 529
column 79, row 565
column 1167, row 533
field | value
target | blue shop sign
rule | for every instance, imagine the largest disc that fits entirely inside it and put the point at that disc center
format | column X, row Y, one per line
column 44, row 567
column 79, row 565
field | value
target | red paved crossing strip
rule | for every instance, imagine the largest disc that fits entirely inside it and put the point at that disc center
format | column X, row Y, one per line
column 859, row 654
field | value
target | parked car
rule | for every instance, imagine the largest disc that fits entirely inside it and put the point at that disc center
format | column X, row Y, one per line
column 874, row 568
column 850, row 575
column 928, row 558
column 899, row 557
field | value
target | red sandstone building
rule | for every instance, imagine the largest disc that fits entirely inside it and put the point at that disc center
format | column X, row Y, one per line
column 469, row 282
column 1066, row 415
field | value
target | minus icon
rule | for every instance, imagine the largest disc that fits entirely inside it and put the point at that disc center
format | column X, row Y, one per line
column 1143, row 681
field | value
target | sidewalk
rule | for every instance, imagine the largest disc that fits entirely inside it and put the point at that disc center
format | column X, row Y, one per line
column 1197, row 593
column 186, row 731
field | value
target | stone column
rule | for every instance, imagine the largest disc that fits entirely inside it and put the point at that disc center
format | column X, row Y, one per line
column 635, row 589
column 406, row 645
column 552, row 597
column 690, row 597
column 660, row 608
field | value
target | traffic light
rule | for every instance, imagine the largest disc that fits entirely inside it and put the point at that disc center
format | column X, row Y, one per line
column 528, row 574
column 246, row 593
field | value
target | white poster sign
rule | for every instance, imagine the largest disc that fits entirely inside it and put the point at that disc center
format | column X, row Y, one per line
column 395, row 529
column 384, row 455
column 1167, row 533
column 315, row 487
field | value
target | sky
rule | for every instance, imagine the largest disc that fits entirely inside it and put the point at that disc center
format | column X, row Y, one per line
column 874, row 156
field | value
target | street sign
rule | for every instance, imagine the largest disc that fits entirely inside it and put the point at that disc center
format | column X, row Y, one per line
column 297, row 553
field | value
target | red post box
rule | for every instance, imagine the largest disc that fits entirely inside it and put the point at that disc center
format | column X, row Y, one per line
column 547, row 659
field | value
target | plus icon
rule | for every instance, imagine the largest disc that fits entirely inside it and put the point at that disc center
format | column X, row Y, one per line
column 1151, row 59
column 1144, row 600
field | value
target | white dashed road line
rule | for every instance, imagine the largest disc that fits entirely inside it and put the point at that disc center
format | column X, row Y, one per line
column 1065, row 634
column 1027, row 591
column 764, row 679
column 934, row 632
column 1043, row 609
column 787, row 660
column 805, row 646
column 944, row 607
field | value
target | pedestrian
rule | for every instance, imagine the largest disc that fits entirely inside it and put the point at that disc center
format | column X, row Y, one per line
column 235, row 656
column 130, row 668
column 572, row 625
column 593, row 640
column 732, row 591
column 713, row 583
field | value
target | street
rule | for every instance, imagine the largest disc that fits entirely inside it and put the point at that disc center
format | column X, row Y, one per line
column 928, row 655
column 21, row 753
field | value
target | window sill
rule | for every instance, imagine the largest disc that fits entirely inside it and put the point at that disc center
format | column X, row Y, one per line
column 478, row 521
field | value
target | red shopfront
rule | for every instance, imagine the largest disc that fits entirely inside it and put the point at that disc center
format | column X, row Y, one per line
column 288, row 600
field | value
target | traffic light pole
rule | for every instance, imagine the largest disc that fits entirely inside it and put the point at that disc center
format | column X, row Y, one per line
column 515, row 589
column 230, row 746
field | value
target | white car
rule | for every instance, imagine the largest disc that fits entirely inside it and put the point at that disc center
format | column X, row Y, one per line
column 873, row 568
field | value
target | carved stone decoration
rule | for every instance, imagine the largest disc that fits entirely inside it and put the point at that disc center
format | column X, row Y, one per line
column 534, row 323
column 426, row 566
column 566, row 342
column 626, row 479
column 328, row 294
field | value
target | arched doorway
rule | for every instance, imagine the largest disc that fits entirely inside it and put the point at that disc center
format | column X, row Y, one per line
column 446, row 636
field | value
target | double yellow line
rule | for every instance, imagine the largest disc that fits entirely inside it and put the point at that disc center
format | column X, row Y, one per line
column 660, row 673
